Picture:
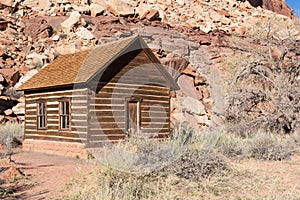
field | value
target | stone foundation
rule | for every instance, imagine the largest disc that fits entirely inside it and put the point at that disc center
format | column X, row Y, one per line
column 69, row 149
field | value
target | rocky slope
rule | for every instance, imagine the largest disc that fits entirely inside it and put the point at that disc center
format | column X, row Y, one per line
column 193, row 37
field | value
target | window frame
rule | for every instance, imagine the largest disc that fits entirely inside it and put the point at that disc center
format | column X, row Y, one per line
column 43, row 115
column 67, row 116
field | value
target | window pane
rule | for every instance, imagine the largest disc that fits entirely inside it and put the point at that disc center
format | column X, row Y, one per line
column 41, row 115
column 67, row 108
column 64, row 114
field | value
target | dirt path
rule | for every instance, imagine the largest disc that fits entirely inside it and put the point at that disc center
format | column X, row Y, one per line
column 46, row 175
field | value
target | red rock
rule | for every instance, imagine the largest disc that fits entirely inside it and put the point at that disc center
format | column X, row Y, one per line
column 152, row 14
column 38, row 28
column 199, row 80
column 8, row 3
column 1, row 52
column 190, row 71
column 8, row 112
column 278, row 6
column 11, row 76
column 3, row 25
column 5, row 41
column 9, row 62
column 2, row 119
column 175, row 62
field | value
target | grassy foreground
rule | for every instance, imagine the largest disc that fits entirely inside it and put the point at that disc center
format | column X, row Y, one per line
column 212, row 166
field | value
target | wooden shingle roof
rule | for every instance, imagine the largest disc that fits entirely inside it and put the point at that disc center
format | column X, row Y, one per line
column 82, row 66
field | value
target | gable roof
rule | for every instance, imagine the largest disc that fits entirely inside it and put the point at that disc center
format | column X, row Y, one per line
column 80, row 67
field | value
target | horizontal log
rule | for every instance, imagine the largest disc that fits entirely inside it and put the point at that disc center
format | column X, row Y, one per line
column 107, row 132
column 108, row 113
column 122, row 119
column 119, row 88
column 68, row 134
column 63, row 92
column 154, row 87
column 78, row 123
column 102, row 126
column 153, row 130
column 53, row 138
column 97, row 138
column 79, row 129
column 107, row 119
column 79, row 117
column 146, row 100
column 106, row 107
column 124, row 95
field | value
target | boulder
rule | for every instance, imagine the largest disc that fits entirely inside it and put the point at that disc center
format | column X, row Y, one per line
column 73, row 19
column 2, row 119
column 3, row 25
column 2, row 51
column 19, row 109
column 97, row 9
column 9, row 62
column 1, row 78
column 38, row 28
column 44, row 4
column 192, row 105
column 152, row 14
column 11, row 75
column 55, row 38
column 83, row 33
column 6, row 104
column 120, row 8
column 1, row 88
column 143, row 9
column 8, row 112
column 8, row 3
column 36, row 58
column 176, row 62
column 30, row 3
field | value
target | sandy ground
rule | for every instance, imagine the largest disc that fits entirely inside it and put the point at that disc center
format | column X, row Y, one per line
column 46, row 175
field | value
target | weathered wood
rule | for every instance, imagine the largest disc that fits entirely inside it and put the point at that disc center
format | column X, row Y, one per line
column 52, row 138
column 67, row 134
column 94, row 138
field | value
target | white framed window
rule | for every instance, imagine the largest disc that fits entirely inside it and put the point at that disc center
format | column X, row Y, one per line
column 41, row 115
column 64, row 114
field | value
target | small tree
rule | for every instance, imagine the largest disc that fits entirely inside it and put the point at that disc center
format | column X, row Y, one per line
column 265, row 89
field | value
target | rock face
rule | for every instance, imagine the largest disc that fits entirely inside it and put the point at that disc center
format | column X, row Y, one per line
column 278, row 6
column 189, row 37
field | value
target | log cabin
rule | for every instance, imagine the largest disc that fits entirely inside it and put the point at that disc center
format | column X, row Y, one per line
column 92, row 97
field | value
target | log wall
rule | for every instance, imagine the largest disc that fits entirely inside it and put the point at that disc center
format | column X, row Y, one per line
column 107, row 109
column 78, row 120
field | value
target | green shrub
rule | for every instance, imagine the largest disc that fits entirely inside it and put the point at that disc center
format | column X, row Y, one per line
column 10, row 134
column 198, row 164
column 232, row 145
column 270, row 147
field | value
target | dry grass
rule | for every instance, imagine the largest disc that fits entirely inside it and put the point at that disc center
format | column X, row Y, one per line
column 229, row 169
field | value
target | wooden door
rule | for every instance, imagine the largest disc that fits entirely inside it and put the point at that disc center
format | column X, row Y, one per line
column 133, row 115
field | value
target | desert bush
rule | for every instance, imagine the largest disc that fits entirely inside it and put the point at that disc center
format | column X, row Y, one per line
column 270, row 147
column 198, row 164
column 10, row 134
column 143, row 154
column 110, row 184
column 232, row 145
